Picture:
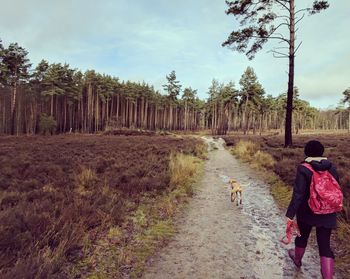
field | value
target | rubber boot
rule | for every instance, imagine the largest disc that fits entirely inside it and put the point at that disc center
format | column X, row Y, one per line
column 296, row 255
column 327, row 267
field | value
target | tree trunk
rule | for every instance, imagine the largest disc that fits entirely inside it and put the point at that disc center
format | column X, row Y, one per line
column 288, row 142
column 13, row 109
column 261, row 118
column 65, row 115
column 51, row 109
column 244, row 116
column 4, row 128
column 145, row 115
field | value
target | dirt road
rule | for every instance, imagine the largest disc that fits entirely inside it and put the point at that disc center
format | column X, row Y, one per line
column 217, row 239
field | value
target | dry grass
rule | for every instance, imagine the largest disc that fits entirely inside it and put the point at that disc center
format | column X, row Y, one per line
column 60, row 195
column 343, row 246
column 264, row 159
column 245, row 150
column 279, row 190
column 152, row 223
column 85, row 181
column 182, row 167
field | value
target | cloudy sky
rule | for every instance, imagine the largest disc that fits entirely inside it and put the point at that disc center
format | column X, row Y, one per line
column 147, row 39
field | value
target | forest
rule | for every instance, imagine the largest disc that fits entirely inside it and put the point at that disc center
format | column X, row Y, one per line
column 56, row 98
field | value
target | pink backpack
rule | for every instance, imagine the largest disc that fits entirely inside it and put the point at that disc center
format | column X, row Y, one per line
column 325, row 193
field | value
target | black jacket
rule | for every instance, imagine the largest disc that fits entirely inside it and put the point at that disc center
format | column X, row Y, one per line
column 299, row 204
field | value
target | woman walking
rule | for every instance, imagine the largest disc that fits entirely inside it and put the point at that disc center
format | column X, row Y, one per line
column 312, row 211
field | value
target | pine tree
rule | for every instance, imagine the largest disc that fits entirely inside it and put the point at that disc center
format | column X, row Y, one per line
column 345, row 100
column 189, row 98
column 263, row 21
column 251, row 94
column 15, row 66
column 172, row 87
column 2, row 65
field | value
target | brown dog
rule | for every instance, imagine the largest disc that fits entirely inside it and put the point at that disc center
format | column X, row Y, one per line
column 236, row 191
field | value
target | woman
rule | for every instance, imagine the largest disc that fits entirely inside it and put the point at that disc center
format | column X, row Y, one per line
column 306, row 219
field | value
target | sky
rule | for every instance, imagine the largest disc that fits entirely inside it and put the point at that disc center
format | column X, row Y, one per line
column 144, row 40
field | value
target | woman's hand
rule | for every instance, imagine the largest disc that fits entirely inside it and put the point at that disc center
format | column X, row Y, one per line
column 291, row 230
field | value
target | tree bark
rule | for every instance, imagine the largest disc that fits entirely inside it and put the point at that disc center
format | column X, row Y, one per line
column 13, row 109
column 288, row 142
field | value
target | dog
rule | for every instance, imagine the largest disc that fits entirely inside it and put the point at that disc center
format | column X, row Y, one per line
column 236, row 191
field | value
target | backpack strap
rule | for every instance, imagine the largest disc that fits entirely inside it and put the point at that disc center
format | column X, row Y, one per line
column 308, row 166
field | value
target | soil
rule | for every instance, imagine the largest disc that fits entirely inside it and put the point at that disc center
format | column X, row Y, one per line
column 218, row 239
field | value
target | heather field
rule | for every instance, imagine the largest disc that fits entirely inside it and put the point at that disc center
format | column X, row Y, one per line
column 64, row 197
column 100, row 206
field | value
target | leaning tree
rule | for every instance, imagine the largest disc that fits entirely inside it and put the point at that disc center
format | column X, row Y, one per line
column 264, row 20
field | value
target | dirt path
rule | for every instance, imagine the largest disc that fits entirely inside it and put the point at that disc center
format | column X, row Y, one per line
column 217, row 239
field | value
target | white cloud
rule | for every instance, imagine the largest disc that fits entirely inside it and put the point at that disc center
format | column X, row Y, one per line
column 146, row 39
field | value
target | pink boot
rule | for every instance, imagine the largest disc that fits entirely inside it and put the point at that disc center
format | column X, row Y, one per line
column 327, row 267
column 296, row 255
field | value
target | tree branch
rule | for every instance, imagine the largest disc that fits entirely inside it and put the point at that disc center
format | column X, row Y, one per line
column 299, row 19
column 301, row 10
column 279, row 56
column 278, row 26
column 282, row 4
column 279, row 53
column 297, row 48
column 281, row 48
column 283, row 16
column 273, row 37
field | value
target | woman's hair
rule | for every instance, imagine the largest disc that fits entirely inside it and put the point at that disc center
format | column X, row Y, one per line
column 314, row 149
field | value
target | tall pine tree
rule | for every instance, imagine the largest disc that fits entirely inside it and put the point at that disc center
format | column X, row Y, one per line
column 172, row 87
column 16, row 66
column 265, row 20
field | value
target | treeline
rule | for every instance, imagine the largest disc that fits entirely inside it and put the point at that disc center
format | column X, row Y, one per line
column 250, row 109
column 90, row 102
column 86, row 102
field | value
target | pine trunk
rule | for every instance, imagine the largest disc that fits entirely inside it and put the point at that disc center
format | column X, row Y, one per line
column 288, row 124
column 13, row 109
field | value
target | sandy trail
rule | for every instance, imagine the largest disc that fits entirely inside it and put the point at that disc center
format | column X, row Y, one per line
column 217, row 239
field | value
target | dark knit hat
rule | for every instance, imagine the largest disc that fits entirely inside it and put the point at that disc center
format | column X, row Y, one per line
column 314, row 149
